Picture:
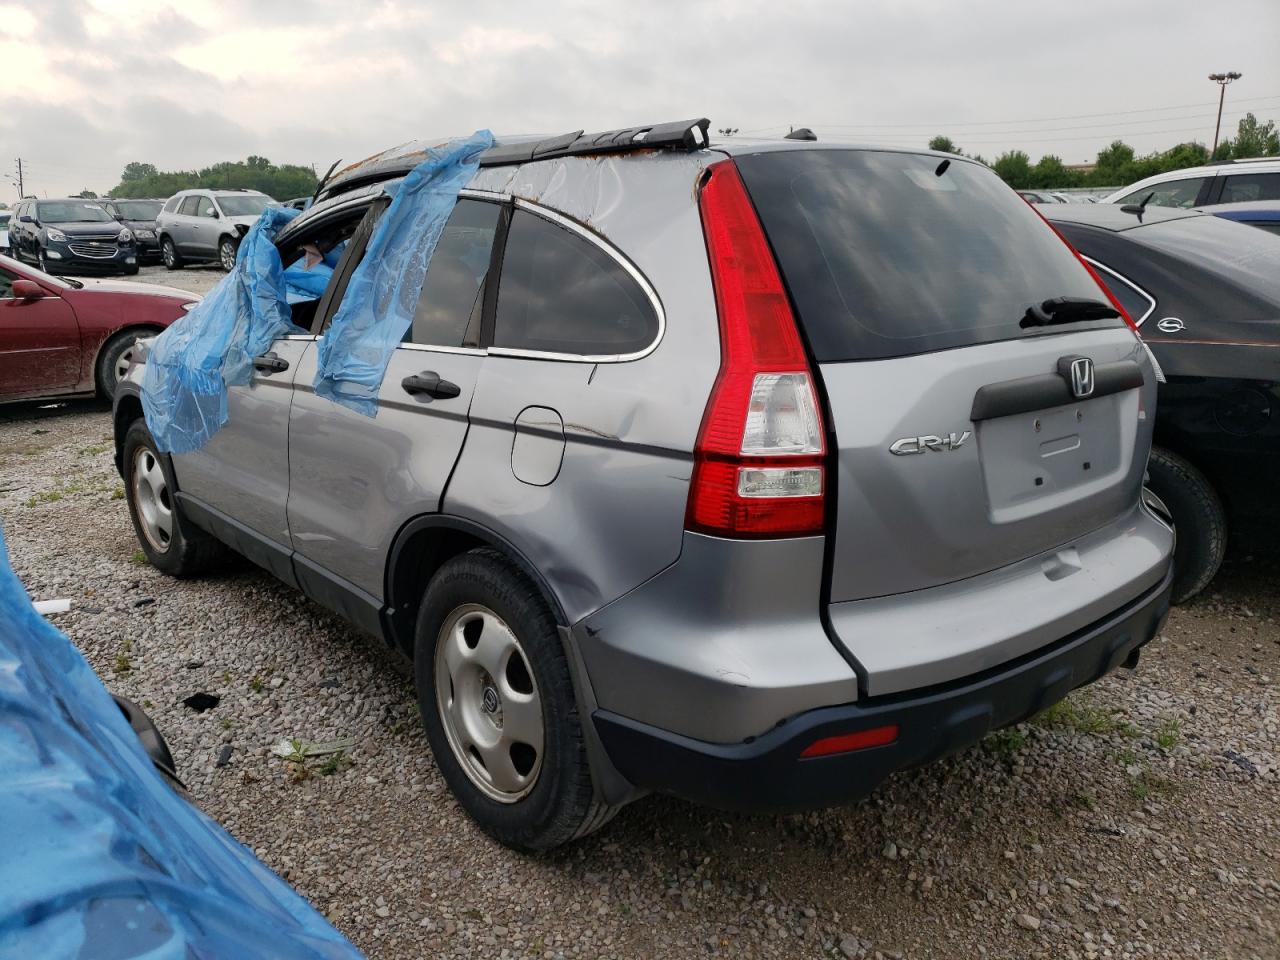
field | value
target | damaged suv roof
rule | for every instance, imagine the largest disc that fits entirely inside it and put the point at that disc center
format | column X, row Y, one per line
column 520, row 148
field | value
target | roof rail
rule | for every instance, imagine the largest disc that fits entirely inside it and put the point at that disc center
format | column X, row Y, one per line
column 679, row 134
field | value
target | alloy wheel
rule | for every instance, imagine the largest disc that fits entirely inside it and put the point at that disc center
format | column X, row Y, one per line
column 123, row 361
column 227, row 255
column 489, row 703
column 151, row 499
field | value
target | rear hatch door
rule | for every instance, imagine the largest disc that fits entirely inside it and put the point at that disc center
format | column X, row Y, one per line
column 960, row 446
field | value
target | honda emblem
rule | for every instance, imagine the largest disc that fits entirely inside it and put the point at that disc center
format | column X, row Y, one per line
column 1081, row 377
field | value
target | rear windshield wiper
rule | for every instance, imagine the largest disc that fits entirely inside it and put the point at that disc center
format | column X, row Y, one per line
column 1067, row 310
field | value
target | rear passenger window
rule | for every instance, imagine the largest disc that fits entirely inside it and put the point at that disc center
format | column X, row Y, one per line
column 448, row 313
column 561, row 293
column 189, row 206
column 1245, row 187
column 1135, row 303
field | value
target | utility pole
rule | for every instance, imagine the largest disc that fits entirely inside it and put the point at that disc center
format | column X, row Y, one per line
column 1221, row 79
column 21, row 192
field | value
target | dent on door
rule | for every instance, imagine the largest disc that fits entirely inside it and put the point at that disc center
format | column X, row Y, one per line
column 538, row 447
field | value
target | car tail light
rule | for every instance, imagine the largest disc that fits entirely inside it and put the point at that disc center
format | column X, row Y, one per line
column 758, row 464
column 849, row 742
column 1111, row 298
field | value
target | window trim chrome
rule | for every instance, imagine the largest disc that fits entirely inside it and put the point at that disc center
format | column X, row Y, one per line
column 1151, row 301
column 546, row 213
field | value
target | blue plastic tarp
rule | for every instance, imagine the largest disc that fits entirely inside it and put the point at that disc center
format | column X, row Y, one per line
column 194, row 361
column 100, row 859
column 305, row 279
column 382, row 295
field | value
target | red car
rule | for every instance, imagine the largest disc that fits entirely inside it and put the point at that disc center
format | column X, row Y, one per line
column 60, row 336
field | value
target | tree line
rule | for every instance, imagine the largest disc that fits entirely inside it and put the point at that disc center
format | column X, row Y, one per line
column 282, row 182
column 1118, row 165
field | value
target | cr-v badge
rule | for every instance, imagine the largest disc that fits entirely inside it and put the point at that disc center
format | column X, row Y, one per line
column 908, row 445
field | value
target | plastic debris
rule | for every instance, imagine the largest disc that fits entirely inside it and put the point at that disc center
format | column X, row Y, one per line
column 200, row 702
column 102, row 857
column 297, row 750
column 192, row 363
column 46, row 607
column 382, row 295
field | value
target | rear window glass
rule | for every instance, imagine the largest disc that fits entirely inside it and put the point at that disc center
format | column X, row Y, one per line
column 884, row 256
column 560, row 293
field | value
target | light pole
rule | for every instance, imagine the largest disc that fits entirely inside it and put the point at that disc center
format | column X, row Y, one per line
column 1221, row 79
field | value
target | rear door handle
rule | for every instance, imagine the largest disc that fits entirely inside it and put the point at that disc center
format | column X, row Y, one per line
column 429, row 382
column 270, row 363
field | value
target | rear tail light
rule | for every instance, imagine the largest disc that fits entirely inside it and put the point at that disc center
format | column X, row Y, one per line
column 758, row 464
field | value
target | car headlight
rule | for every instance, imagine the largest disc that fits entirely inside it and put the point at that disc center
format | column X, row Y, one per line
column 125, row 235
column 57, row 236
column 146, row 234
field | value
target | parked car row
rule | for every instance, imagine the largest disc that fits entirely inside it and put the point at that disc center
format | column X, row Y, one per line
column 77, row 235
column 722, row 483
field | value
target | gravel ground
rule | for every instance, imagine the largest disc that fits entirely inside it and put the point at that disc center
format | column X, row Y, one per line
column 197, row 279
column 1140, row 819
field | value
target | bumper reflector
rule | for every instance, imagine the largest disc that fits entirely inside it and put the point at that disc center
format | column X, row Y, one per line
column 849, row 742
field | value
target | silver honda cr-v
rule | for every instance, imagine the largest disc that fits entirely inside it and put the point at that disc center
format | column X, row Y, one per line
column 749, row 472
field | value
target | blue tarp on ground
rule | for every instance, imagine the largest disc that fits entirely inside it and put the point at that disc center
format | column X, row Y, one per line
column 194, row 361
column 99, row 858
column 382, row 295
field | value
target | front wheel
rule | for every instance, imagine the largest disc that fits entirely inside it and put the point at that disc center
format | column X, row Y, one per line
column 113, row 362
column 1199, row 521
column 169, row 254
column 499, row 707
column 170, row 541
column 227, row 253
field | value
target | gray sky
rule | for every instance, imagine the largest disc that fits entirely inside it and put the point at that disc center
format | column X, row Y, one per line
column 90, row 86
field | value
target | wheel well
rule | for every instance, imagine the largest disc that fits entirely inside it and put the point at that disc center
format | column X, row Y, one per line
column 423, row 547
column 140, row 330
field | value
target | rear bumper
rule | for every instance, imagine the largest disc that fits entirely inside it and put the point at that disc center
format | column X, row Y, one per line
column 768, row 773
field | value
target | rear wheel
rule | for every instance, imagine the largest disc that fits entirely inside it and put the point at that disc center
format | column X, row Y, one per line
column 227, row 253
column 1198, row 519
column 171, row 543
column 499, row 707
column 169, row 254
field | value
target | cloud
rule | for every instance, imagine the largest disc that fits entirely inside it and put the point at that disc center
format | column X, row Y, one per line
column 90, row 86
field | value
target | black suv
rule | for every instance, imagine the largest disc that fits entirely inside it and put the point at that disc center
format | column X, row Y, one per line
column 1205, row 294
column 71, row 235
column 140, row 217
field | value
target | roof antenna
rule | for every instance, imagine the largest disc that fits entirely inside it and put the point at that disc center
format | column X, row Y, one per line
column 1138, row 208
column 323, row 180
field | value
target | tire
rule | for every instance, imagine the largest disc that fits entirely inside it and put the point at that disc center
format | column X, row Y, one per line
column 169, row 254
column 227, row 248
column 1198, row 518
column 537, row 797
column 41, row 262
column 131, row 271
column 184, row 550
column 113, row 361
